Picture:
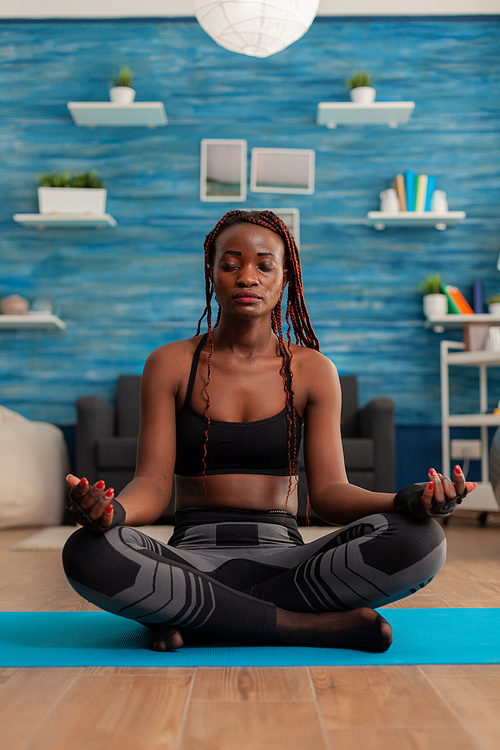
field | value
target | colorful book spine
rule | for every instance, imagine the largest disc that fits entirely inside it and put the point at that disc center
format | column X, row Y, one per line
column 420, row 192
column 410, row 180
column 431, row 186
column 456, row 300
column 399, row 184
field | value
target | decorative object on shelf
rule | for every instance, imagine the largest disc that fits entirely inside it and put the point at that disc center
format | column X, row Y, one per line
column 223, row 170
column 83, row 193
column 45, row 305
column 14, row 304
column 392, row 114
column 257, row 28
column 493, row 339
column 434, row 301
column 361, row 89
column 389, row 201
column 493, row 303
column 457, row 304
column 439, row 204
column 122, row 91
column 475, row 335
column 478, row 297
column 282, row 170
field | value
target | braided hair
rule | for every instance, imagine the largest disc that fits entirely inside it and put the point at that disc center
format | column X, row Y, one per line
column 296, row 316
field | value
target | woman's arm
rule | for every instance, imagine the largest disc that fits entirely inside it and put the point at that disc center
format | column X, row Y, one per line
column 330, row 494
column 147, row 496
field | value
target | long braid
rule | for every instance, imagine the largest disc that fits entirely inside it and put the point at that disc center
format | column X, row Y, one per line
column 297, row 317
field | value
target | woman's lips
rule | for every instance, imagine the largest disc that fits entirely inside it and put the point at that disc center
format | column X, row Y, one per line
column 246, row 298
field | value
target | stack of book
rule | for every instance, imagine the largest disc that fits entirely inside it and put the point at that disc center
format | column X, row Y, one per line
column 456, row 300
column 414, row 191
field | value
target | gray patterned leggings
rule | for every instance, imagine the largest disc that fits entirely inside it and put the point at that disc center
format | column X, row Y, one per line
column 226, row 571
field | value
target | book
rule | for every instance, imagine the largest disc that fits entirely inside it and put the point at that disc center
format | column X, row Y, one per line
column 431, row 186
column 399, row 184
column 410, row 179
column 456, row 300
column 420, row 192
column 477, row 296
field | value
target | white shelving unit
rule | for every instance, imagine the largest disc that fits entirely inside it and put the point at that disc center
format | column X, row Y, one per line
column 483, row 498
column 74, row 221
column 32, row 320
column 111, row 114
column 441, row 322
column 392, row 114
column 381, row 219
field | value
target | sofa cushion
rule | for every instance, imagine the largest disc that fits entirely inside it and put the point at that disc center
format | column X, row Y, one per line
column 128, row 405
column 358, row 453
column 117, row 453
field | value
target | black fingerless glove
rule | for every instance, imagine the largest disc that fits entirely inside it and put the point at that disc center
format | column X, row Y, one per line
column 81, row 515
column 409, row 501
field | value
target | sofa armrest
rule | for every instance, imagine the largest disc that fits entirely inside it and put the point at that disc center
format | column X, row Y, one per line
column 95, row 420
column 377, row 422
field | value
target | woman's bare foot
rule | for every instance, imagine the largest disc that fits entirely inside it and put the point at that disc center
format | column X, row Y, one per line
column 164, row 637
column 362, row 629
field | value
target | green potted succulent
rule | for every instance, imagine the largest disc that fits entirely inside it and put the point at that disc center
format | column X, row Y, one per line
column 435, row 303
column 61, row 192
column 493, row 303
column 360, row 84
column 122, row 91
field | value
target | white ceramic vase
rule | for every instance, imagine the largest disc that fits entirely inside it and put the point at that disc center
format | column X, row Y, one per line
column 435, row 305
column 122, row 94
column 363, row 94
column 71, row 200
column 494, row 308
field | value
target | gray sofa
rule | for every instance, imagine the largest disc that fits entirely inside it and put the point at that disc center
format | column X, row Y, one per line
column 106, row 440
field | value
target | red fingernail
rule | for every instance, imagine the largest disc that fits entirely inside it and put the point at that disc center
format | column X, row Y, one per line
column 458, row 469
column 109, row 492
column 100, row 485
column 430, row 486
column 433, row 472
column 109, row 509
column 84, row 480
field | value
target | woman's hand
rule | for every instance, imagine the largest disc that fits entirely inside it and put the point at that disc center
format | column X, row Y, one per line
column 437, row 498
column 93, row 507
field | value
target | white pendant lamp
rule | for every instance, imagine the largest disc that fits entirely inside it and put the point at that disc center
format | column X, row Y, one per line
column 258, row 28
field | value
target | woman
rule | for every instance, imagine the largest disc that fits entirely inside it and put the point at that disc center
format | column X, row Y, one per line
column 223, row 414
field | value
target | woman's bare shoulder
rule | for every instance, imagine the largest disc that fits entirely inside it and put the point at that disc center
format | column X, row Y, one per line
column 311, row 361
column 168, row 360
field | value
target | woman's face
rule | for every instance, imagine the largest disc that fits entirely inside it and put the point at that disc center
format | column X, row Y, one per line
column 248, row 271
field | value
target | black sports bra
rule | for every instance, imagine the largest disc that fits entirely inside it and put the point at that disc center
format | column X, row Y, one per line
column 259, row 447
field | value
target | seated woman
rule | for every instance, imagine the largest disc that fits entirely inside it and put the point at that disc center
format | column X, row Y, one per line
column 223, row 413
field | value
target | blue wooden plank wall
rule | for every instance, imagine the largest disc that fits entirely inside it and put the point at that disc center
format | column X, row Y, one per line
column 127, row 290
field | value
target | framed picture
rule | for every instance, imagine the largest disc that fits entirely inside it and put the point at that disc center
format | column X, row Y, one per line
column 291, row 217
column 223, row 170
column 282, row 170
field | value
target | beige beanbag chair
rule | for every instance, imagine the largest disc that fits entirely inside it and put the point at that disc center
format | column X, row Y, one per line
column 33, row 467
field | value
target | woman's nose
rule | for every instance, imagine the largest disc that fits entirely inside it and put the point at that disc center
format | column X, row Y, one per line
column 247, row 276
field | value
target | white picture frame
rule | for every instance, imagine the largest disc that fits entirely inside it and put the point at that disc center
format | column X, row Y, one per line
column 282, row 170
column 291, row 217
column 223, row 170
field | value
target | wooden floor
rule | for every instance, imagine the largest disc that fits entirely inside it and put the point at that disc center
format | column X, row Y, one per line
column 317, row 708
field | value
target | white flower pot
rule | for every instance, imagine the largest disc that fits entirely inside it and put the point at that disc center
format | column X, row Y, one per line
column 72, row 200
column 363, row 94
column 435, row 305
column 122, row 94
column 494, row 308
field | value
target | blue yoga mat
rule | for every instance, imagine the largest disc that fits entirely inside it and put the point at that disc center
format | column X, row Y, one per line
column 74, row 639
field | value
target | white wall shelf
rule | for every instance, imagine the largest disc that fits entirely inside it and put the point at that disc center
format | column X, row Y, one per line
column 392, row 114
column 439, row 322
column 483, row 498
column 381, row 219
column 111, row 114
column 73, row 221
column 32, row 320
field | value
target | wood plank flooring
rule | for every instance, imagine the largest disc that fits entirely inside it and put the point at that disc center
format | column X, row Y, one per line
column 317, row 708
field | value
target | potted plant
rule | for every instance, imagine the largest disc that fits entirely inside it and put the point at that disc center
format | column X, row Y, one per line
column 361, row 87
column 122, row 91
column 493, row 303
column 434, row 301
column 82, row 193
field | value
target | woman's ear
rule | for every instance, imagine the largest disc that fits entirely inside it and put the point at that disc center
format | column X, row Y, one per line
column 285, row 277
